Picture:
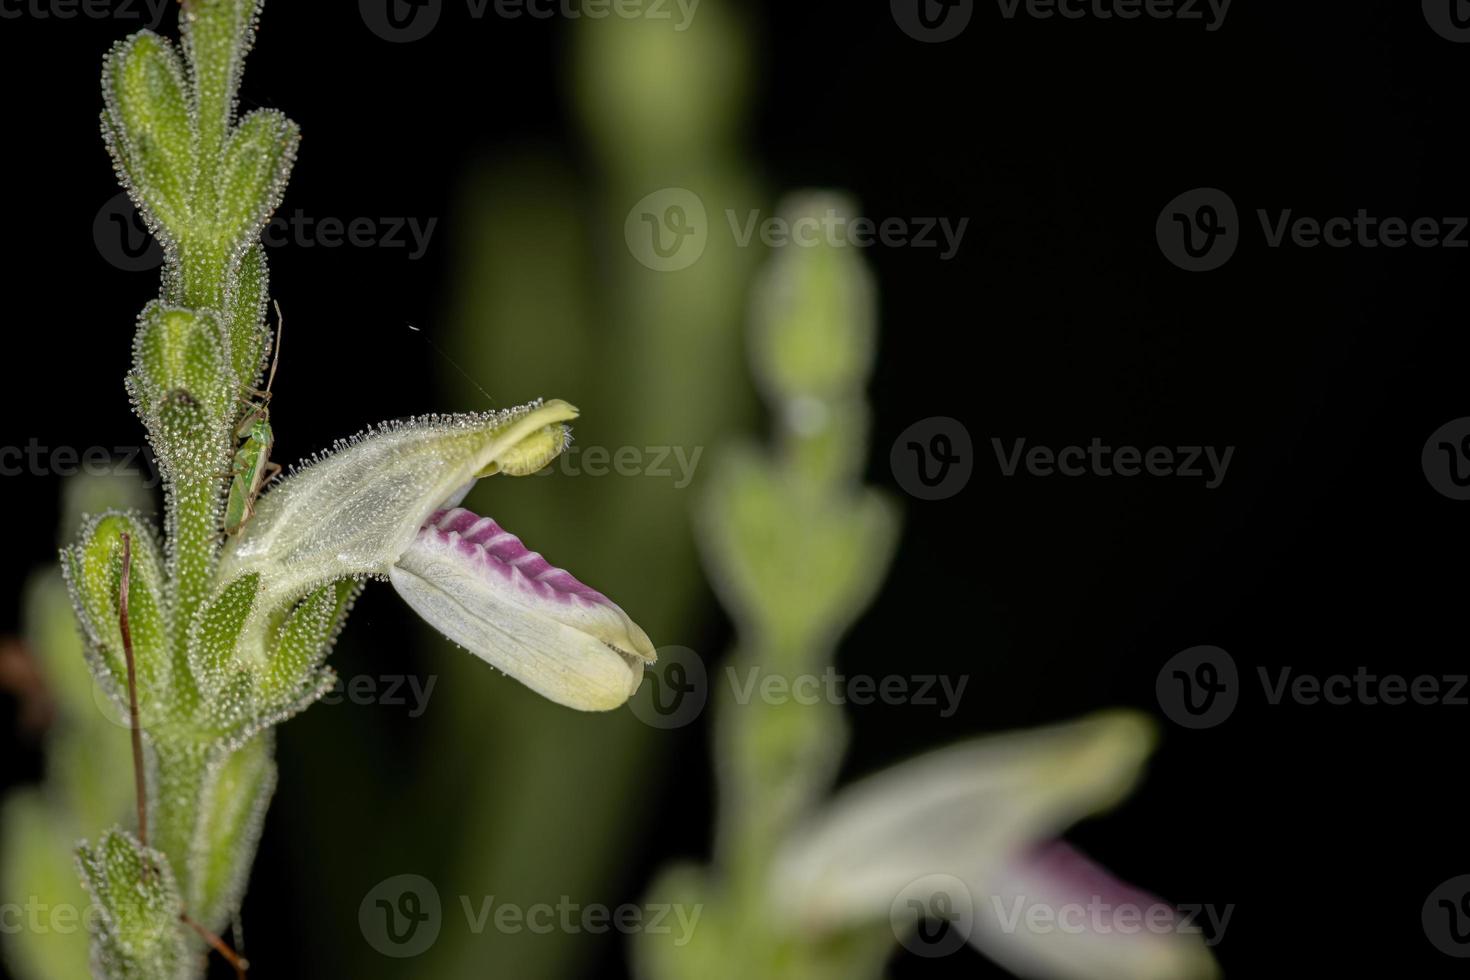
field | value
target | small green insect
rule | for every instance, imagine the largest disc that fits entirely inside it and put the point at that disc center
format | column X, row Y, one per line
column 253, row 467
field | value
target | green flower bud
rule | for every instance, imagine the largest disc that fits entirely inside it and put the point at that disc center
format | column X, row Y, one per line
column 793, row 565
column 180, row 350
column 138, row 933
column 257, row 162
column 813, row 324
column 148, row 129
column 93, row 570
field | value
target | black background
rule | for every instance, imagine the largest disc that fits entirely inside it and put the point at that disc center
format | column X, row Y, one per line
column 1325, row 549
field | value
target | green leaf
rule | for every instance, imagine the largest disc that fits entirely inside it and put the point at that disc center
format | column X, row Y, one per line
column 217, row 35
column 257, row 162
column 140, row 936
column 192, row 445
column 247, row 293
column 216, row 631
column 149, row 129
column 93, row 569
column 290, row 674
column 236, row 794
column 814, row 321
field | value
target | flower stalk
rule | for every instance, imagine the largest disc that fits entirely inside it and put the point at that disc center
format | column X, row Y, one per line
column 808, row 883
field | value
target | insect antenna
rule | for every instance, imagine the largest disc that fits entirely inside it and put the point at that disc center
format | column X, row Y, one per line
column 276, row 355
column 452, row 363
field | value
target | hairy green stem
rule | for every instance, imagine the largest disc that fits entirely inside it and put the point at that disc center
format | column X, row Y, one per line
column 181, row 770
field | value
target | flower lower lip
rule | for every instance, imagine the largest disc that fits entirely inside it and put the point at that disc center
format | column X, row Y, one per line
column 485, row 590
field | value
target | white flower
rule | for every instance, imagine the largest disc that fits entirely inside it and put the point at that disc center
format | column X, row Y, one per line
column 985, row 815
column 380, row 505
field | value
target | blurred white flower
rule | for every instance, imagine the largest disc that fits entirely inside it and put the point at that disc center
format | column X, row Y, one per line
column 981, row 818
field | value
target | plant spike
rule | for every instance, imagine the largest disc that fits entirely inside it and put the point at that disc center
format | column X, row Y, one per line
column 211, row 640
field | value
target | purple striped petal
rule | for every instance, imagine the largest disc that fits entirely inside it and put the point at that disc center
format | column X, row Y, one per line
column 501, row 553
column 485, row 590
column 1052, row 912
